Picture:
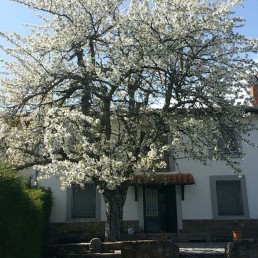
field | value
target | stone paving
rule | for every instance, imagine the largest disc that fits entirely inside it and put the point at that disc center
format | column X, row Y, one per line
column 202, row 248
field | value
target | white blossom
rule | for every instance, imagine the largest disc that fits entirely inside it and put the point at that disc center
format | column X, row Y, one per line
column 82, row 86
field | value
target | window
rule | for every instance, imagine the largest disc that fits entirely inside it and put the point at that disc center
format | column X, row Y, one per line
column 151, row 202
column 170, row 163
column 166, row 159
column 84, row 201
column 229, row 198
column 229, row 144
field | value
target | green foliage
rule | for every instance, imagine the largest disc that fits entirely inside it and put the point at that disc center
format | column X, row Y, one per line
column 24, row 214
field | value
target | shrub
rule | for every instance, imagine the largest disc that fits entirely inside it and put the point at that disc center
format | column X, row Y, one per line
column 24, row 214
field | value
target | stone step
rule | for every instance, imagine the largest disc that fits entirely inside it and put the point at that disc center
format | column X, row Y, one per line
column 60, row 250
column 93, row 255
column 195, row 250
column 84, row 255
column 201, row 255
column 148, row 236
column 77, row 250
column 186, row 250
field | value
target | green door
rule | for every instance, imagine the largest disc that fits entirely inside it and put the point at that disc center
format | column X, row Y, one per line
column 160, row 209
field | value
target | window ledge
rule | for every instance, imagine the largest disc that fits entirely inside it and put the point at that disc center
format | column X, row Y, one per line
column 83, row 220
column 230, row 217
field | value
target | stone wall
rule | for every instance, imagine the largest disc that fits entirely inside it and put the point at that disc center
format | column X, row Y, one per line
column 209, row 230
column 123, row 249
column 216, row 230
column 242, row 249
column 144, row 249
column 74, row 232
column 81, row 231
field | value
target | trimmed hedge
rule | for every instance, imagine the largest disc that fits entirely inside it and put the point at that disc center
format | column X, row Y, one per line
column 24, row 214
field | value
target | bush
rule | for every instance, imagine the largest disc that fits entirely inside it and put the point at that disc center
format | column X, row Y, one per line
column 24, row 214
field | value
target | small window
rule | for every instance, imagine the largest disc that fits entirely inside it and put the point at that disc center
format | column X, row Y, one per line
column 167, row 157
column 229, row 198
column 229, row 144
column 84, row 201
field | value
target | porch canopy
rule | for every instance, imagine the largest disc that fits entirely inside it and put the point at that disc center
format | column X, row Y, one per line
column 160, row 178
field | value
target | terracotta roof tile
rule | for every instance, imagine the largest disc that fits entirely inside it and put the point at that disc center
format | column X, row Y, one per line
column 164, row 179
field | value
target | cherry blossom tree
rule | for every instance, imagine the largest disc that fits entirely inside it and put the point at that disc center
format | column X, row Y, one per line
column 91, row 94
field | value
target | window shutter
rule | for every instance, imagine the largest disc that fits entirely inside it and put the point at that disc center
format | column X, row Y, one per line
column 229, row 198
column 84, row 201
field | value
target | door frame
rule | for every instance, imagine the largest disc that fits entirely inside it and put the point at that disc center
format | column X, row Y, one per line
column 171, row 209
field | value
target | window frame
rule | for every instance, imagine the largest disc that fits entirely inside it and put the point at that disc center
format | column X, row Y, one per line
column 213, row 180
column 77, row 187
column 168, row 159
column 221, row 145
column 69, row 209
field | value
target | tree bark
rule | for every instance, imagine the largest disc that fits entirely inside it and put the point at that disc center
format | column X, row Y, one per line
column 114, row 200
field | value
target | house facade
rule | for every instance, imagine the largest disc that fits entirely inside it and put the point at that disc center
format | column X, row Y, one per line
column 190, row 200
column 197, row 202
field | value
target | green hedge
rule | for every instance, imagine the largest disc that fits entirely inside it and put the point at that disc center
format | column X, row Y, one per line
column 24, row 214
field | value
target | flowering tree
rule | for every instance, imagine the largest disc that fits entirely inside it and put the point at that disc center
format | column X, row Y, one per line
column 91, row 93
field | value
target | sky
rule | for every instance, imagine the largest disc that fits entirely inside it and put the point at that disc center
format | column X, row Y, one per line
column 13, row 15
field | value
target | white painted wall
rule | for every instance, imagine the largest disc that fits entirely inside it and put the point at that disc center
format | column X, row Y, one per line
column 179, row 207
column 250, row 169
column 103, row 209
column 58, row 213
column 131, row 206
column 140, row 207
column 197, row 203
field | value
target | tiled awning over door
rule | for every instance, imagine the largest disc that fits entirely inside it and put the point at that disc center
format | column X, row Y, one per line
column 164, row 179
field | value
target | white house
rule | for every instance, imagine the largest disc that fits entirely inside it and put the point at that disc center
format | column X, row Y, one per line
column 199, row 201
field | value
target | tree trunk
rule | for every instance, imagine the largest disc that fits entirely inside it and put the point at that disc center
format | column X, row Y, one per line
column 114, row 200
